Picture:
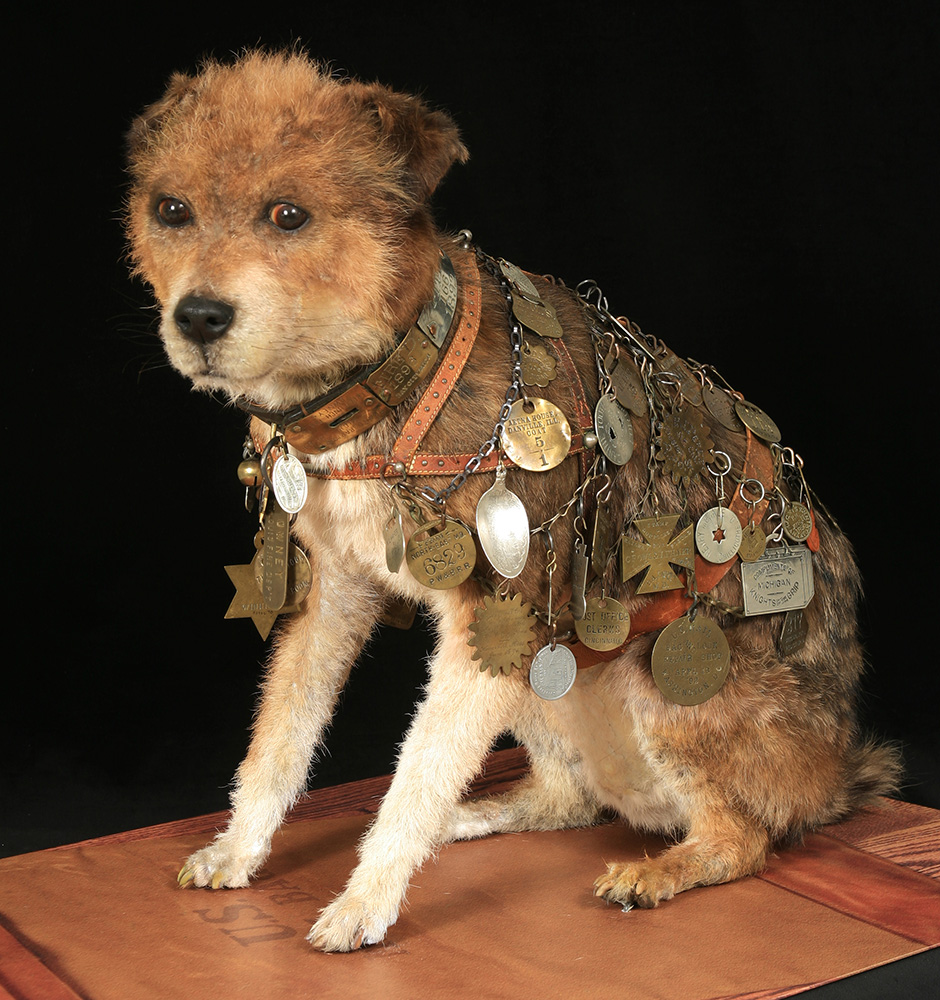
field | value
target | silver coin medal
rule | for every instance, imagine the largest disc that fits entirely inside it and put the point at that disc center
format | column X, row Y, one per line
column 552, row 672
column 289, row 479
column 503, row 527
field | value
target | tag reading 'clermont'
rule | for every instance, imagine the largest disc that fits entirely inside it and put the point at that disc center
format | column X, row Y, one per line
column 690, row 660
column 605, row 625
column 553, row 672
column 536, row 435
column 441, row 555
column 781, row 580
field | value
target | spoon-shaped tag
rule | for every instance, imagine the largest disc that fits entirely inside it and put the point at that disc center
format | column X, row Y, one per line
column 503, row 527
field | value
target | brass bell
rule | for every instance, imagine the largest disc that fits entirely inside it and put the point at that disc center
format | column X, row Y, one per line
column 249, row 472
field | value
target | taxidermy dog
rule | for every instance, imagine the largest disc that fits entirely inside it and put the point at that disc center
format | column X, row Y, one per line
column 626, row 567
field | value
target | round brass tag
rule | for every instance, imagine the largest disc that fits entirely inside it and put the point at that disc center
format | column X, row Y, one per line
column 536, row 435
column 605, row 624
column 690, row 660
column 441, row 556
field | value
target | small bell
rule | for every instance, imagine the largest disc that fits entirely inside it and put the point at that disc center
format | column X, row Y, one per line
column 249, row 472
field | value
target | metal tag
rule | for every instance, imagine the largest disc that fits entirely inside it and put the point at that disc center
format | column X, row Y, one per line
column 579, row 571
column 538, row 316
column 793, row 633
column 718, row 535
column 754, row 418
column 656, row 552
column 781, row 580
column 797, row 522
column 441, row 555
column 275, row 558
column 536, row 435
column 720, row 405
column 753, row 543
column 289, row 479
column 394, row 541
column 503, row 630
column 436, row 317
column 628, row 387
column 690, row 660
column 538, row 366
column 605, row 625
column 503, row 527
column 552, row 672
column 614, row 429
column 685, row 444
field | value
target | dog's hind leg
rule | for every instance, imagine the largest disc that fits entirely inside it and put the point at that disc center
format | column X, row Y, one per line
column 551, row 796
column 452, row 731
column 307, row 672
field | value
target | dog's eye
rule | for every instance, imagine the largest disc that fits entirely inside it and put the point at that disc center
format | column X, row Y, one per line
column 286, row 216
column 173, row 212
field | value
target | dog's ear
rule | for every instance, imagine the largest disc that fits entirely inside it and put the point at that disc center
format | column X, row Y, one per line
column 179, row 89
column 427, row 140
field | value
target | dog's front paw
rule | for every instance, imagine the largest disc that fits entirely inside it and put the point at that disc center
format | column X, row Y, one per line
column 347, row 924
column 644, row 884
column 219, row 866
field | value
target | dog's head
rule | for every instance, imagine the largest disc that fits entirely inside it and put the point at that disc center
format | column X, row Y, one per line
column 280, row 216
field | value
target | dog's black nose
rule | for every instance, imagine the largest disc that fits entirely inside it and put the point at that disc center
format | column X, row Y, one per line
column 202, row 319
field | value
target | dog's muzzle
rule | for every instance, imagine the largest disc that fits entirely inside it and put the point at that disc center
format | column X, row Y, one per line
column 202, row 320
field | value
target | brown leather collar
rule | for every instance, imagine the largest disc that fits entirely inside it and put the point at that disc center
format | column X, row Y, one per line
column 371, row 392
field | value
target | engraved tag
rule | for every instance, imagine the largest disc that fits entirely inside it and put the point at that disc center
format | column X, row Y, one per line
column 290, row 483
column 519, row 278
column 538, row 366
column 436, row 317
column 503, row 630
column 797, row 522
column 441, row 556
column 503, row 527
column 605, row 625
column 718, row 535
column 628, row 387
column 781, row 580
column 690, row 660
column 536, row 435
column 394, row 541
column 275, row 557
column 685, row 444
column 579, row 570
column 538, row 316
column 757, row 421
column 614, row 430
column 299, row 575
column 404, row 368
column 553, row 672
column 720, row 405
column 793, row 634
column 753, row 542
column 656, row 553
column 668, row 361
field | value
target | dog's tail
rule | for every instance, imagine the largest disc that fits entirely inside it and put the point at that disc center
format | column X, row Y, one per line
column 873, row 769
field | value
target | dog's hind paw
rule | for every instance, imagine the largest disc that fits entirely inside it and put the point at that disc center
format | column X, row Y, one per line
column 347, row 924
column 644, row 884
column 216, row 868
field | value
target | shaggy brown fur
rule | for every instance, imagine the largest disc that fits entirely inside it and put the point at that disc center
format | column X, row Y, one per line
column 774, row 753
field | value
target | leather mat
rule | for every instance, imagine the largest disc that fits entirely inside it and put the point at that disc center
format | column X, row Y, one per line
column 510, row 916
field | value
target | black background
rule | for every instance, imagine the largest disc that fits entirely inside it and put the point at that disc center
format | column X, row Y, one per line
column 752, row 182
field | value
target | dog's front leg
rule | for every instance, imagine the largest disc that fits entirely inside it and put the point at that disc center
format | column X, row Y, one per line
column 307, row 672
column 452, row 731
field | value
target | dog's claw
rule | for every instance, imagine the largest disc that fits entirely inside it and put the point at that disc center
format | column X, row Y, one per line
column 217, row 879
column 186, row 875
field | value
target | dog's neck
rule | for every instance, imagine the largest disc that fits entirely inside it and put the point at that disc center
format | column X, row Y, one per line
column 372, row 391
